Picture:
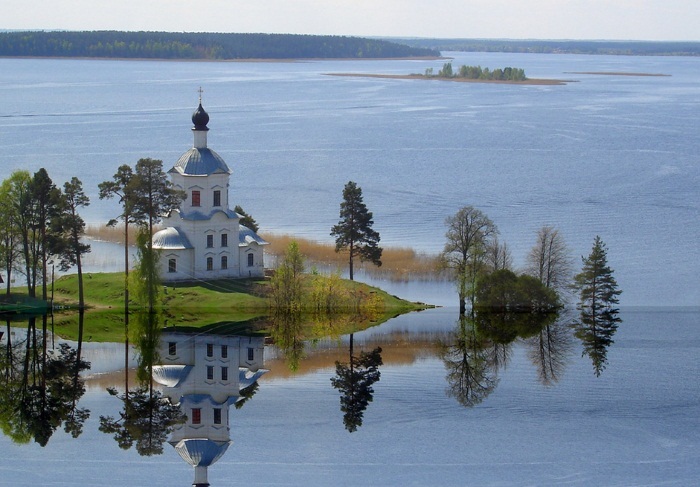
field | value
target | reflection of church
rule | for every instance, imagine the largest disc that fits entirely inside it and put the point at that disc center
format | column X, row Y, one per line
column 205, row 374
column 203, row 238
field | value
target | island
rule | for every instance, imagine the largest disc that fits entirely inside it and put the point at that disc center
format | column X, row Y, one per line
column 467, row 74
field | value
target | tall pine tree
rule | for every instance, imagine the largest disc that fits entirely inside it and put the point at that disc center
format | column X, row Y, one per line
column 354, row 231
column 598, row 294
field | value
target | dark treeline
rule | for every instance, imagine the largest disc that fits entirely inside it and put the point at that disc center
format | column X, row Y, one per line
column 173, row 45
column 629, row 48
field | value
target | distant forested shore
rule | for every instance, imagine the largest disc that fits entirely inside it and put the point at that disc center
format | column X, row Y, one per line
column 627, row 48
column 208, row 46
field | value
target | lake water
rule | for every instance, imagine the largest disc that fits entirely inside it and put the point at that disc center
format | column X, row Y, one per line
column 635, row 424
column 615, row 156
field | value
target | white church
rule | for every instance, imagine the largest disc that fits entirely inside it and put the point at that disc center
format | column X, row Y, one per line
column 203, row 238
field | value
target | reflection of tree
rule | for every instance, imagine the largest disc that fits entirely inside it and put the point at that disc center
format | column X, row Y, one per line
column 41, row 389
column 596, row 330
column 354, row 380
column 470, row 375
column 246, row 394
column 146, row 418
column 287, row 334
column 549, row 349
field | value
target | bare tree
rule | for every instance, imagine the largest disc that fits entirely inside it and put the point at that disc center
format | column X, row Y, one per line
column 498, row 256
column 549, row 260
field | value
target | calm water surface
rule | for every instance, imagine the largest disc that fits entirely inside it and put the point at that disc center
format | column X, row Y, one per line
column 635, row 424
column 610, row 155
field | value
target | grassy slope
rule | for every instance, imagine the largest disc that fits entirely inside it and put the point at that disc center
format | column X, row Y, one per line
column 223, row 304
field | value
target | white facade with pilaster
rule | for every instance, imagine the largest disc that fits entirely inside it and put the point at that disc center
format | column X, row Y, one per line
column 203, row 238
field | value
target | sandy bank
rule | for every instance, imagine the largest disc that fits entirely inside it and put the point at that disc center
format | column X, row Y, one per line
column 456, row 79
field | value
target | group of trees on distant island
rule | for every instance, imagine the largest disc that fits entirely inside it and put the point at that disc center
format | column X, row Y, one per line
column 189, row 45
column 477, row 72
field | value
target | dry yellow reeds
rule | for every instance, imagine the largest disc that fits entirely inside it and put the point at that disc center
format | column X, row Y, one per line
column 112, row 234
column 398, row 263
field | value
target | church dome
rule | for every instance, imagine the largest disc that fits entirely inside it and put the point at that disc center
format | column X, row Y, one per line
column 200, row 162
column 200, row 118
column 170, row 238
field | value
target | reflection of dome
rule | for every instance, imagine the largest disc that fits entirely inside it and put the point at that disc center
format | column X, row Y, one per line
column 200, row 162
column 246, row 377
column 170, row 375
column 201, row 452
column 200, row 118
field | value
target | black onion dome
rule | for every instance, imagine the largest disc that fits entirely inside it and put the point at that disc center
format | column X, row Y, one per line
column 200, row 118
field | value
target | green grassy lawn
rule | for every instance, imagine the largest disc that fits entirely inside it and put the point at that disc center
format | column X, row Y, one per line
column 238, row 306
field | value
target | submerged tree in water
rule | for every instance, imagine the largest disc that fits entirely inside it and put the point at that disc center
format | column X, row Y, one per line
column 354, row 380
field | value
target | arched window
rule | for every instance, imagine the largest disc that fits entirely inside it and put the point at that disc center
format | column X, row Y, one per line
column 210, row 264
column 251, row 260
column 224, row 262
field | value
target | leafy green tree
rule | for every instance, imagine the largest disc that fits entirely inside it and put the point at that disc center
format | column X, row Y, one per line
column 446, row 71
column 354, row 231
column 469, row 233
column 287, row 284
column 146, row 275
column 10, row 242
column 354, row 380
column 68, row 228
column 246, row 219
column 155, row 196
column 503, row 289
column 598, row 297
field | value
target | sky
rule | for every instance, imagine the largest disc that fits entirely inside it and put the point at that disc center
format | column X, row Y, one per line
column 501, row 19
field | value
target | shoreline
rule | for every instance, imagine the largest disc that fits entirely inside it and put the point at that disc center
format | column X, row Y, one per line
column 616, row 73
column 533, row 81
column 233, row 60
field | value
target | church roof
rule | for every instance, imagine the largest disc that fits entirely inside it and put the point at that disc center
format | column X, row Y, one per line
column 200, row 162
column 171, row 238
column 246, row 236
column 201, row 452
